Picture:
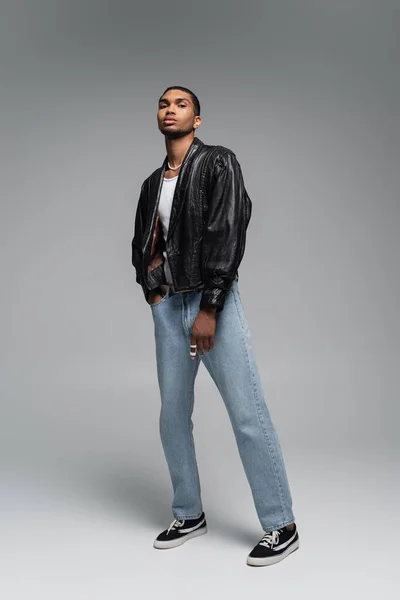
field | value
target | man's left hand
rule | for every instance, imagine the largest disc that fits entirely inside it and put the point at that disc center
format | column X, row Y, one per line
column 203, row 332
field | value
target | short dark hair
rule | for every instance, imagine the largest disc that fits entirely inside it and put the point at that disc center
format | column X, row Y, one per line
column 195, row 99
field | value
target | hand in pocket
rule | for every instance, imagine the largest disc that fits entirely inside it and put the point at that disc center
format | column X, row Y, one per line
column 155, row 297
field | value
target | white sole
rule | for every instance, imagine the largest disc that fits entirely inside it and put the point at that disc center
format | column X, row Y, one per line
column 271, row 560
column 180, row 541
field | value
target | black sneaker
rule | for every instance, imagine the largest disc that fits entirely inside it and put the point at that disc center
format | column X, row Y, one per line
column 180, row 531
column 274, row 547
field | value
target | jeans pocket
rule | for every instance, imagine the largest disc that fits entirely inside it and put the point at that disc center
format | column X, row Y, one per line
column 159, row 301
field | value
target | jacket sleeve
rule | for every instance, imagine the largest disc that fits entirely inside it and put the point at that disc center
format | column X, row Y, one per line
column 137, row 243
column 226, row 219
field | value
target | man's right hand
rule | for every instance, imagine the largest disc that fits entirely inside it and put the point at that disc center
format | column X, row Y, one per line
column 155, row 296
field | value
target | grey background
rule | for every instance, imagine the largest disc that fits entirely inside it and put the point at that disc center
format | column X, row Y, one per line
column 307, row 95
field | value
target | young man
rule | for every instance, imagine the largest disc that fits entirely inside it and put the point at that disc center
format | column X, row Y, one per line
column 189, row 239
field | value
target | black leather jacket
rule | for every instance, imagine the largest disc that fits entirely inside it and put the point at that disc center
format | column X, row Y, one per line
column 207, row 231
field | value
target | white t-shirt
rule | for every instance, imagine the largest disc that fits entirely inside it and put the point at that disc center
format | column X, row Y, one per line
column 164, row 212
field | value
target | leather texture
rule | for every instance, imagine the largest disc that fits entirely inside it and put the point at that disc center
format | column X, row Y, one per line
column 210, row 213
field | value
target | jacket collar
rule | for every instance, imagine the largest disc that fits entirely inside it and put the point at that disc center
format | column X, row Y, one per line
column 178, row 199
column 196, row 143
column 155, row 190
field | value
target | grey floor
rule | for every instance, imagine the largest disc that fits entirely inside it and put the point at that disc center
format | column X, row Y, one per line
column 78, row 517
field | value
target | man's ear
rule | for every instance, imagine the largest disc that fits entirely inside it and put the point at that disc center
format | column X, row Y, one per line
column 197, row 121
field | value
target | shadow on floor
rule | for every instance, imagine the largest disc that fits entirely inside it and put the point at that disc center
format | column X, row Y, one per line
column 145, row 496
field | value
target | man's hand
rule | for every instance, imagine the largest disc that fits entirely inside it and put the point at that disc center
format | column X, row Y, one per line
column 155, row 296
column 203, row 331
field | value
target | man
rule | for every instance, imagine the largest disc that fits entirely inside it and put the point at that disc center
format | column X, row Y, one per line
column 189, row 239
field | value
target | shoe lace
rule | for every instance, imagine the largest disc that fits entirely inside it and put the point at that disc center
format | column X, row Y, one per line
column 270, row 539
column 175, row 523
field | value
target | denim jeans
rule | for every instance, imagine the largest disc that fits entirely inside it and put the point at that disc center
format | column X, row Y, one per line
column 232, row 366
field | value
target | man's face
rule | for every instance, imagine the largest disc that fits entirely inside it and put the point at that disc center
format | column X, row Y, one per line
column 175, row 114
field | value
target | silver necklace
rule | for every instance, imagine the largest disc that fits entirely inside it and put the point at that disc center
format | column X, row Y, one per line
column 174, row 168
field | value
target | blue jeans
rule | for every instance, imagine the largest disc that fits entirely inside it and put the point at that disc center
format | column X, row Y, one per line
column 232, row 366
